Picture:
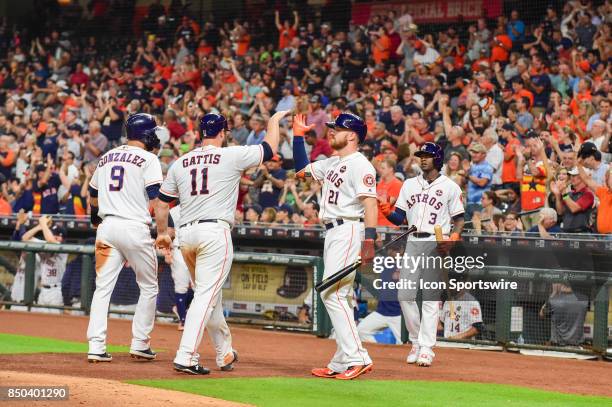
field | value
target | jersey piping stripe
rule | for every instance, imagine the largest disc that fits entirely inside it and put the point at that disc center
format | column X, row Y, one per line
column 312, row 173
column 168, row 193
column 338, row 297
column 215, row 290
column 154, row 182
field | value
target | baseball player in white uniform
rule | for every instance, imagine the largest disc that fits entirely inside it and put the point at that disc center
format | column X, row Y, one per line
column 178, row 268
column 348, row 196
column 461, row 316
column 205, row 181
column 52, row 265
column 426, row 201
column 126, row 181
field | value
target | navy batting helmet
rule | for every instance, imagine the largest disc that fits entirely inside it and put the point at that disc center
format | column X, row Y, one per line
column 212, row 124
column 350, row 121
column 142, row 127
column 432, row 150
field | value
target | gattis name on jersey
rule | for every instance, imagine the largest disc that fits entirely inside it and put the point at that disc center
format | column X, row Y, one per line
column 121, row 158
column 424, row 198
column 202, row 159
column 334, row 178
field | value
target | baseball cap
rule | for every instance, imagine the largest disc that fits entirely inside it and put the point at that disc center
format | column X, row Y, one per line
column 587, row 149
column 573, row 171
column 75, row 127
column 478, row 148
column 531, row 133
column 58, row 230
column 508, row 127
column 277, row 158
column 315, row 99
column 256, row 207
column 285, row 208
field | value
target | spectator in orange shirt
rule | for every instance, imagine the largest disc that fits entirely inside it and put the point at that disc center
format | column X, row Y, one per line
column 511, row 143
column 604, row 193
column 286, row 32
column 7, row 157
column 583, row 94
column 387, row 188
column 518, row 86
column 380, row 46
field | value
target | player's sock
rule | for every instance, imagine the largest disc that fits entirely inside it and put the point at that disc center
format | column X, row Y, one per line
column 181, row 305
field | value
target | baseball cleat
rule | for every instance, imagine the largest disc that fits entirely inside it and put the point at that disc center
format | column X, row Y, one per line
column 425, row 359
column 99, row 357
column 354, row 372
column 413, row 355
column 324, row 372
column 147, row 354
column 181, row 326
column 229, row 361
column 195, row 369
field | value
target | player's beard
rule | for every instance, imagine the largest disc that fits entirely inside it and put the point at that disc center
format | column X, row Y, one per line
column 337, row 144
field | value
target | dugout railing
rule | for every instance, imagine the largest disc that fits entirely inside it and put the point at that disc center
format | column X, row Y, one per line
column 262, row 289
column 270, row 288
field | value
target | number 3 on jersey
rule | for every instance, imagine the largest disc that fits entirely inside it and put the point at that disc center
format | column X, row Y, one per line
column 194, row 182
column 333, row 197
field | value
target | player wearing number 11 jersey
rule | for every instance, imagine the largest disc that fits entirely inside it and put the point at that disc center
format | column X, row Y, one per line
column 205, row 181
column 125, row 182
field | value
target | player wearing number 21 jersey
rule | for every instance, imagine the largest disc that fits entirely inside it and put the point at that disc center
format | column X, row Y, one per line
column 205, row 181
column 349, row 213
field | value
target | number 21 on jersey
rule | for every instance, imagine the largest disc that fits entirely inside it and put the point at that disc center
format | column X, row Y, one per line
column 333, row 197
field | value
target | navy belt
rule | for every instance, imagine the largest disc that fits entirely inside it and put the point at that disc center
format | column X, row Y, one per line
column 337, row 222
column 203, row 221
column 421, row 235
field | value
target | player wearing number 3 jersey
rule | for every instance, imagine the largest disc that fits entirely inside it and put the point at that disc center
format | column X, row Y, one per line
column 125, row 182
column 426, row 201
column 349, row 193
column 205, row 181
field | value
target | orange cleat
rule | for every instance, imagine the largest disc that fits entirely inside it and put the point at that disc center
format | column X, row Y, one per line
column 324, row 372
column 354, row 372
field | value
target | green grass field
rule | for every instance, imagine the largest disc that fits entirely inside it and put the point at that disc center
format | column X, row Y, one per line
column 34, row 344
column 282, row 392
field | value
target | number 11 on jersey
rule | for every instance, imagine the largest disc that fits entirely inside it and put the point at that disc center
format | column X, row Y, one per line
column 194, row 182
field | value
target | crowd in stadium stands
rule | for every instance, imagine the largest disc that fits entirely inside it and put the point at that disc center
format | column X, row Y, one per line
column 522, row 108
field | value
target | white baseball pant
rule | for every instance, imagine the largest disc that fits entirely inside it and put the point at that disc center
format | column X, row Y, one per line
column 422, row 329
column 376, row 322
column 180, row 272
column 119, row 241
column 51, row 296
column 342, row 246
column 208, row 252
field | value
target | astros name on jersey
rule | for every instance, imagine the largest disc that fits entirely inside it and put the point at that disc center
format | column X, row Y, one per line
column 427, row 205
column 344, row 181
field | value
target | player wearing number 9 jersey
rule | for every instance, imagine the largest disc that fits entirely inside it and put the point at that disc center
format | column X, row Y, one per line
column 126, row 181
column 349, row 196
column 206, row 181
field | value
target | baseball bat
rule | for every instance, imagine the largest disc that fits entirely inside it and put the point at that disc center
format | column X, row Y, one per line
column 339, row 275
